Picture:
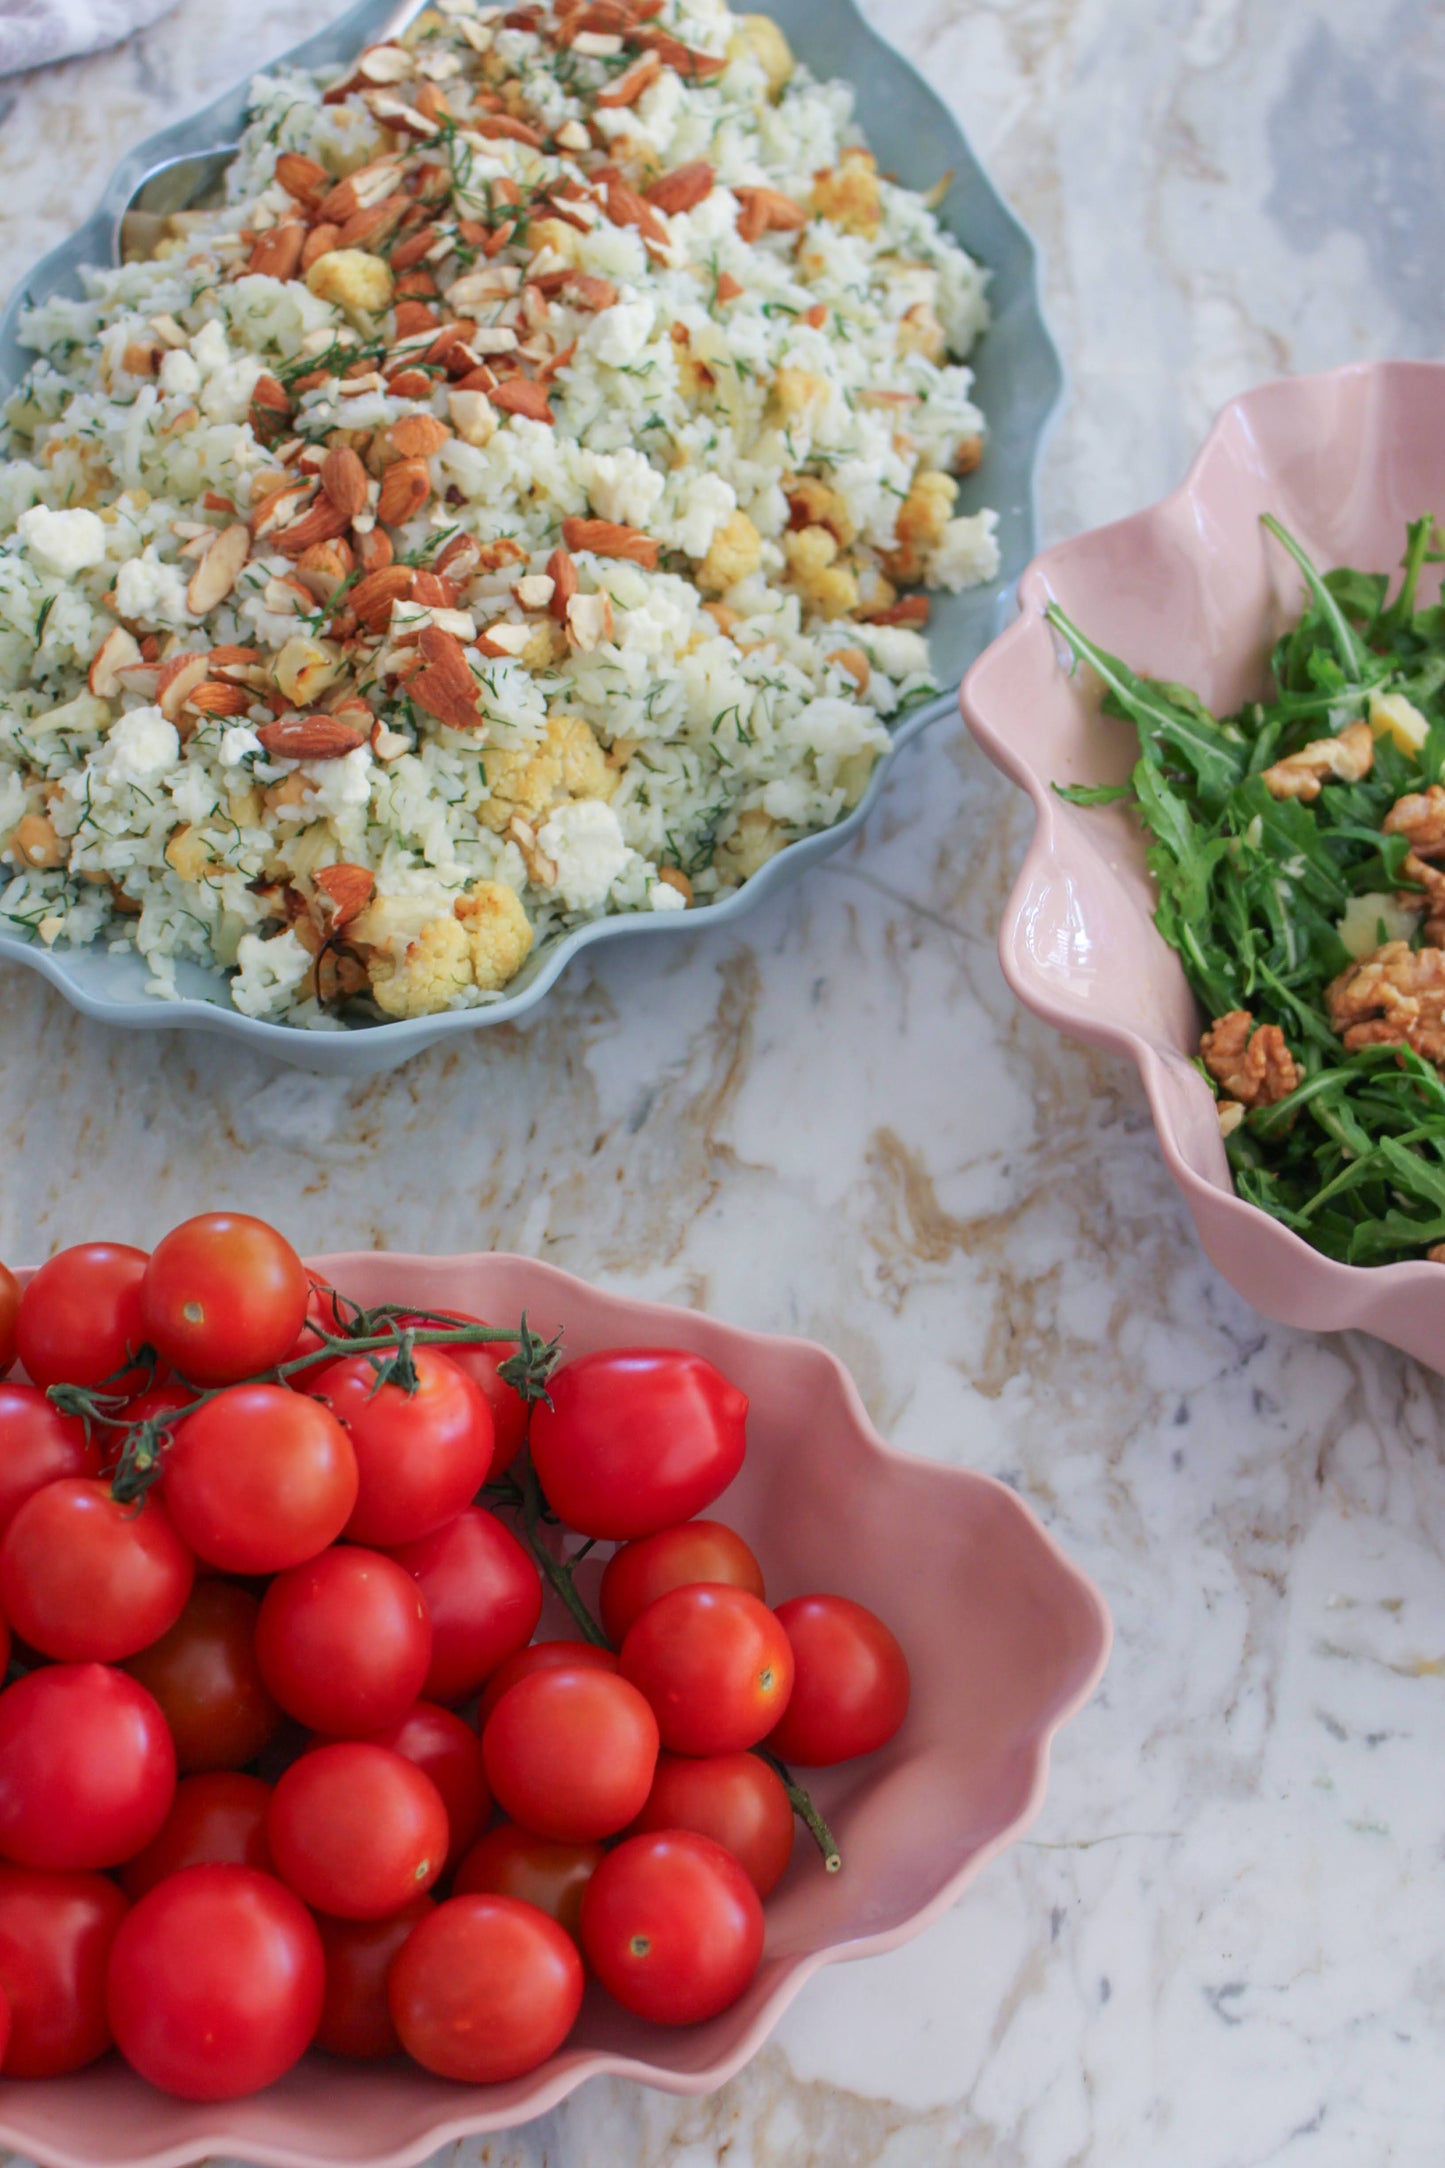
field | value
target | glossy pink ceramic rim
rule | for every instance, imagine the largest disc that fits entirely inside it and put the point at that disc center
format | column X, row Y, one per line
column 1268, row 1263
column 637, row 1321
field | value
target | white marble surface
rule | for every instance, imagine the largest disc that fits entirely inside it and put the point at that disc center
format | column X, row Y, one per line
column 1219, row 1947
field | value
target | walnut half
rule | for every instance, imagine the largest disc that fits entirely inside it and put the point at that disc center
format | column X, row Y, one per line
column 1250, row 1060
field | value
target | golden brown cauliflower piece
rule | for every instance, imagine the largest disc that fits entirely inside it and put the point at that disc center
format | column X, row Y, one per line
column 760, row 36
column 920, row 332
column 497, row 930
column 815, row 503
column 825, row 585
column 567, row 763
column 756, row 839
column 800, row 394
column 736, row 552
column 922, row 517
column 848, row 193
column 352, row 279
column 434, row 968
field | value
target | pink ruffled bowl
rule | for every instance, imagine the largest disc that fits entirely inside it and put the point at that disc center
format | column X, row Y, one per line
column 1194, row 590
column 1005, row 1639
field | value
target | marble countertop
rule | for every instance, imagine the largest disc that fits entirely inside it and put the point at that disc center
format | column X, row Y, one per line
column 1219, row 1945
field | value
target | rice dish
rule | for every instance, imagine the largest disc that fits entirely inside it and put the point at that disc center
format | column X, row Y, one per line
column 514, row 504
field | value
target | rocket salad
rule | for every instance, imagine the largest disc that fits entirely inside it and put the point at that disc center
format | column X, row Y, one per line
column 1298, row 852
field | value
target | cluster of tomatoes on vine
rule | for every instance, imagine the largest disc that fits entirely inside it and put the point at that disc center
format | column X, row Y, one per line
column 280, row 1762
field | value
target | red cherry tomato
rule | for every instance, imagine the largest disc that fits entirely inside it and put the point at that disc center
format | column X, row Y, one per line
column 87, row 1769
column 672, row 1927
column 484, row 1595
column 356, row 2016
column 56, row 1932
column 485, row 1989
column 82, row 1577
column 570, row 1753
column 223, row 1297
column 215, row 1820
column 259, row 1479
column 80, row 1320
column 850, row 1686
column 9, row 1312
column 356, row 1830
column 216, row 1983
column 206, row 1678
column 511, row 1862
column 421, row 1456
column 540, row 1656
column 715, row 1665
column 450, row 1753
column 735, row 1799
column 674, row 1558
column 482, row 1360
column 344, row 1642
column 38, row 1445
column 637, row 1438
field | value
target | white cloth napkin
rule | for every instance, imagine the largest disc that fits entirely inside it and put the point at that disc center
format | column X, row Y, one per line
column 35, row 31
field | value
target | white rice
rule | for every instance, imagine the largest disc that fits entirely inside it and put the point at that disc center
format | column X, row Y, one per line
column 718, row 722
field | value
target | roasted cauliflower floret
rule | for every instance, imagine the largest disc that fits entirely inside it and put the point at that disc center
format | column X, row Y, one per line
column 760, row 36
column 567, row 763
column 351, row 279
column 848, row 195
column 756, row 839
column 922, row 518
column 497, row 930
column 815, row 503
column 920, row 332
column 825, row 585
column 433, row 969
column 736, row 553
column 800, row 394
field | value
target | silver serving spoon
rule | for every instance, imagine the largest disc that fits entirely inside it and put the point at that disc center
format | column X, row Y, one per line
column 195, row 181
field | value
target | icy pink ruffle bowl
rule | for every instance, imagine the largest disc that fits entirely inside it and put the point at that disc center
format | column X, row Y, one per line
column 1194, row 590
column 1005, row 1638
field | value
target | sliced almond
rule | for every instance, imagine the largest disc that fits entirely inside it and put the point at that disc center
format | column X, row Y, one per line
column 444, row 686
column 118, row 649
column 374, row 594
column 386, row 64
column 347, row 889
column 214, row 696
column 417, row 436
column 609, row 538
column 344, row 480
column 562, row 571
column 219, row 570
column 505, row 638
column 519, row 395
column 683, row 189
column 277, row 254
column 310, row 737
column 178, row 680
column 628, row 87
column 535, row 591
column 473, row 416
column 589, row 621
column 405, row 488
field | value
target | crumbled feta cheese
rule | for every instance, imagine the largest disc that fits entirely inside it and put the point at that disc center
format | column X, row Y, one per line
column 584, row 841
column 270, row 971
column 620, row 333
column 140, row 746
column 64, row 542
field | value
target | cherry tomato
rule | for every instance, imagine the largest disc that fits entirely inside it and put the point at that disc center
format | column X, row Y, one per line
column 223, row 1297
column 485, row 1989
column 87, row 1769
column 850, row 1686
column 540, row 1656
column 82, row 1577
column 511, row 1862
column 450, row 1753
column 56, row 1932
column 735, row 1799
column 206, row 1678
column 637, row 1438
column 344, row 1641
column 80, row 1320
column 216, row 1983
column 38, row 1445
column 484, row 1595
column 421, row 1456
column 570, row 1753
column 672, row 1927
column 481, row 1360
column 259, row 1479
column 356, row 1830
column 215, row 1820
column 356, row 2016
column 677, row 1557
column 715, row 1665
column 9, row 1312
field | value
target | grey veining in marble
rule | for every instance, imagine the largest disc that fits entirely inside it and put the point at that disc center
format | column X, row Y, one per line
column 1219, row 1947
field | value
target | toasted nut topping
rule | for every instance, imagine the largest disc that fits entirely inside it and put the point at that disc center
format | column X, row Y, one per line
column 519, row 395
column 219, row 570
column 277, row 254
column 301, row 177
column 34, row 841
column 214, row 696
column 767, row 210
column 683, row 189
column 1300, row 775
column 445, row 686
column 628, row 87
column 116, row 651
column 1251, row 1061
column 310, row 737
column 562, row 572
column 178, row 680
column 417, row 436
column 609, row 538
column 405, row 487
column 373, row 595
column 348, row 889
column 344, row 480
